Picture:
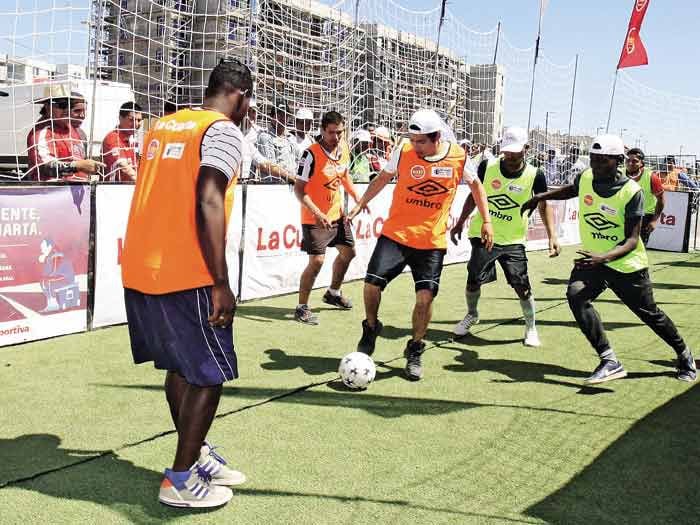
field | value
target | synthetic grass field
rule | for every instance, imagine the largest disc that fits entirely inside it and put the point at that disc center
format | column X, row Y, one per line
column 495, row 433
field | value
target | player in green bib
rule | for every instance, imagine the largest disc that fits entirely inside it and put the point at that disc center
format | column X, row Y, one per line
column 509, row 182
column 611, row 207
column 653, row 188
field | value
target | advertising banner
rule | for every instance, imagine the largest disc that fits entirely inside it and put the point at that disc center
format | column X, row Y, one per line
column 671, row 229
column 44, row 245
column 273, row 260
column 112, row 212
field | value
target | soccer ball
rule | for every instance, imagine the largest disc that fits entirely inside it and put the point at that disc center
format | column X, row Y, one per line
column 357, row 370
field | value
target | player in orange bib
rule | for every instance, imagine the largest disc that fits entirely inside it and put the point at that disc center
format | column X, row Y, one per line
column 323, row 169
column 428, row 171
column 179, row 304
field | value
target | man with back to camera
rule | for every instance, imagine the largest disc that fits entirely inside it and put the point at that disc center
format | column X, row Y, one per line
column 611, row 207
column 179, row 303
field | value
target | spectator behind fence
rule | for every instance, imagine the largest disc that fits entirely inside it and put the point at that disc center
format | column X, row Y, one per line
column 77, row 117
column 674, row 179
column 571, row 166
column 255, row 162
column 380, row 150
column 360, row 164
column 277, row 145
column 551, row 168
column 303, row 123
column 54, row 147
column 119, row 145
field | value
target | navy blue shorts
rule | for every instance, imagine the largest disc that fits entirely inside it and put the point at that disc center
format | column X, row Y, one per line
column 172, row 331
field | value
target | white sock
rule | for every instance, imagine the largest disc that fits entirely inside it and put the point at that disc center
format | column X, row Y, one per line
column 302, row 305
column 528, row 306
column 333, row 292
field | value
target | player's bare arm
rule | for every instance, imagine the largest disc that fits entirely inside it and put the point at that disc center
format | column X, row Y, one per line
column 548, row 219
column 211, row 229
column 373, row 190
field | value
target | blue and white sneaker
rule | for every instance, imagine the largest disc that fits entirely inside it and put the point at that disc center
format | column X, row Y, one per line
column 196, row 492
column 607, row 370
column 215, row 466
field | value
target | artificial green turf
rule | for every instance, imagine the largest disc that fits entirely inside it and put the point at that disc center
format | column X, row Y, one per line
column 495, row 433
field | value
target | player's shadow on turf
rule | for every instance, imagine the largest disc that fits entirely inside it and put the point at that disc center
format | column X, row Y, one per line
column 395, row 332
column 269, row 314
column 598, row 300
column 475, row 340
column 94, row 476
column 311, row 365
column 682, row 264
column 521, row 371
column 609, row 325
column 648, row 475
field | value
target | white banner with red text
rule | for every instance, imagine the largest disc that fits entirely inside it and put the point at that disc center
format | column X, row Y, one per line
column 112, row 212
column 671, row 233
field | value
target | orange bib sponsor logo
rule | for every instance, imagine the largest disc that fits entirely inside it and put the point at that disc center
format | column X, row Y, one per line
column 588, row 200
column 418, row 172
column 496, row 184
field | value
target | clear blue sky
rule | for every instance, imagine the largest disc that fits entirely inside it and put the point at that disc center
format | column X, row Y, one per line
column 593, row 28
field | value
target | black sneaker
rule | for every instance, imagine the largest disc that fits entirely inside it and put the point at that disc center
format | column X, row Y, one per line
column 369, row 337
column 607, row 370
column 412, row 353
column 686, row 368
column 304, row 315
column 337, row 300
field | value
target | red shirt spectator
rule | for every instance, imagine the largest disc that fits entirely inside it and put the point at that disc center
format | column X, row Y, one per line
column 119, row 154
column 51, row 149
column 55, row 148
column 119, row 146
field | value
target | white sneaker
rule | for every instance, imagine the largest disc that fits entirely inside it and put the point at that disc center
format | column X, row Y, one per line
column 198, row 492
column 214, row 465
column 462, row 328
column 531, row 337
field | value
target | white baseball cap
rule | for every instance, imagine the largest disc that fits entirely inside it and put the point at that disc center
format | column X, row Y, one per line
column 424, row 121
column 607, row 145
column 304, row 114
column 383, row 133
column 361, row 135
column 513, row 140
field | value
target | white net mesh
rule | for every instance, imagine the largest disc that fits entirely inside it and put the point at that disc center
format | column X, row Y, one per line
column 373, row 61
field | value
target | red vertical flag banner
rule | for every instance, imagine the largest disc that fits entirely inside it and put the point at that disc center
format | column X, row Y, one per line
column 633, row 52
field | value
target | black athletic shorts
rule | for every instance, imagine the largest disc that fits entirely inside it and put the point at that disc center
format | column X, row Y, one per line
column 482, row 264
column 390, row 258
column 315, row 240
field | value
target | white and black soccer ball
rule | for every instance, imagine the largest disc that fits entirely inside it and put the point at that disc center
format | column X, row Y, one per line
column 357, row 370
